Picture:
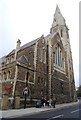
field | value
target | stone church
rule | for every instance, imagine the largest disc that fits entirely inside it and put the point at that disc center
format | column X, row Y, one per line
column 44, row 65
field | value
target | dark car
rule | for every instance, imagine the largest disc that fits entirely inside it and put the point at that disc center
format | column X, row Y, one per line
column 38, row 104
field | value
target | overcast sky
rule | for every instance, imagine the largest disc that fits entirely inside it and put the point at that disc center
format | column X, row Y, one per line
column 29, row 19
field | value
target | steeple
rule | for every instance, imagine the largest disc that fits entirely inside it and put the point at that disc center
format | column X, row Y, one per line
column 57, row 10
column 58, row 19
column 59, row 26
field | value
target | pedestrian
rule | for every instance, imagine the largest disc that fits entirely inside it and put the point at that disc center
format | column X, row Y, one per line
column 53, row 102
column 44, row 102
column 48, row 103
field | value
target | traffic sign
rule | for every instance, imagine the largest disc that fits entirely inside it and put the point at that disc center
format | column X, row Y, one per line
column 26, row 91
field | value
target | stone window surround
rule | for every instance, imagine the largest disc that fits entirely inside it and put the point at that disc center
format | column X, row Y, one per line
column 43, row 55
column 6, row 75
column 58, row 56
column 61, row 32
column 28, row 77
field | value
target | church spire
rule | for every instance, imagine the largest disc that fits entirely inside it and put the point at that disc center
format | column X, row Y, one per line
column 57, row 9
column 58, row 21
column 58, row 18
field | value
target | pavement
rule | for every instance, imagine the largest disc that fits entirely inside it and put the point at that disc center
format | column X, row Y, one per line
column 11, row 113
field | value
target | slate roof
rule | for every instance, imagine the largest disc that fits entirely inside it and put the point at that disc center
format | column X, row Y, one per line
column 12, row 52
column 50, row 36
column 28, row 45
column 23, row 47
column 3, row 59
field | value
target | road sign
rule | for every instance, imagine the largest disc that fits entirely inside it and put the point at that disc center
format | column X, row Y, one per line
column 26, row 91
column 26, row 94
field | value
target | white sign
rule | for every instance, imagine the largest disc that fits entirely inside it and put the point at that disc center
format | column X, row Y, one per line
column 26, row 91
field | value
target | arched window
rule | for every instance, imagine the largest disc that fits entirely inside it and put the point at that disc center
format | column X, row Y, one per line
column 4, row 76
column 61, row 33
column 41, row 55
column 58, row 56
column 44, row 56
column 12, row 58
column 8, row 75
column 8, row 60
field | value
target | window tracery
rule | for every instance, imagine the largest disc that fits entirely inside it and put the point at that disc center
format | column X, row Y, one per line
column 58, row 56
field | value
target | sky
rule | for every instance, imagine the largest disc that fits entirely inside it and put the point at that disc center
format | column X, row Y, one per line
column 29, row 19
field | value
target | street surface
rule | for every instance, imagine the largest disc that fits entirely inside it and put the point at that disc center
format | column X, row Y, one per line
column 67, row 112
column 70, row 112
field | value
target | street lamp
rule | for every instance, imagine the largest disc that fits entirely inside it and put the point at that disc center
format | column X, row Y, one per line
column 26, row 94
column 26, row 90
column 27, row 79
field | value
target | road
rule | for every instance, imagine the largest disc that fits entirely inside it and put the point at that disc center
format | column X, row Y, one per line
column 72, row 112
column 67, row 112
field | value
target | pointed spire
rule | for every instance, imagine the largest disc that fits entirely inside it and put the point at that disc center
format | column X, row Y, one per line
column 57, row 9
column 58, row 18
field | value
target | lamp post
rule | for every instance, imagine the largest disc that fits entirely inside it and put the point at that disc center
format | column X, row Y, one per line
column 27, row 77
column 26, row 90
column 26, row 94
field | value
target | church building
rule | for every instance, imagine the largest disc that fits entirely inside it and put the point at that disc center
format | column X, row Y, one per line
column 44, row 65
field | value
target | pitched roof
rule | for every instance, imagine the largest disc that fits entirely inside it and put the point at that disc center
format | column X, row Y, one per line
column 12, row 52
column 3, row 59
column 28, row 45
column 22, row 58
column 50, row 36
column 23, row 47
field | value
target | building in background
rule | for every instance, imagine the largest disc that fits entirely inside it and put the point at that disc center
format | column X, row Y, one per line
column 45, row 65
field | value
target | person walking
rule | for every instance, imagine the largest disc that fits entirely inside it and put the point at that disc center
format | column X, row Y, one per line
column 44, row 102
column 54, row 102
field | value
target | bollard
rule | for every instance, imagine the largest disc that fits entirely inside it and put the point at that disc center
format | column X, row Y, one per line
column 17, row 102
column 5, row 101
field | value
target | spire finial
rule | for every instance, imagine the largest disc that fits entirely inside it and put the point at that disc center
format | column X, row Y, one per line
column 57, row 9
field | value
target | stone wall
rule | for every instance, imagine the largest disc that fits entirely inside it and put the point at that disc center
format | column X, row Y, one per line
column 41, row 70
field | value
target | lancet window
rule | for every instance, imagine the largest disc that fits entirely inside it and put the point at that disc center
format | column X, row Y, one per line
column 58, row 56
